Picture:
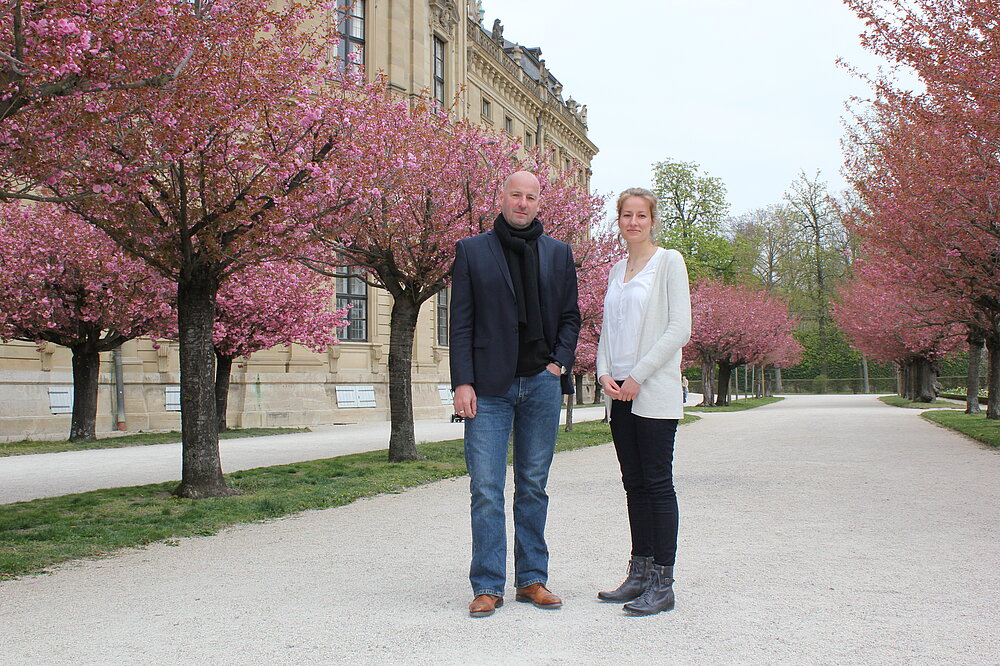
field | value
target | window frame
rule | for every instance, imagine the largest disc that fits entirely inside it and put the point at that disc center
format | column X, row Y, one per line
column 352, row 277
column 347, row 18
column 442, row 317
column 438, row 74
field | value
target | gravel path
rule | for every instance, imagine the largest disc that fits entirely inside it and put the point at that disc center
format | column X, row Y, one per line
column 819, row 530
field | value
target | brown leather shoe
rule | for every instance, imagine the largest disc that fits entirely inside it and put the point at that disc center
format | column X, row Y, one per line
column 539, row 595
column 484, row 605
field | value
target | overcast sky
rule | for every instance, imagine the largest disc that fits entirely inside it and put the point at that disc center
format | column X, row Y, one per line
column 750, row 90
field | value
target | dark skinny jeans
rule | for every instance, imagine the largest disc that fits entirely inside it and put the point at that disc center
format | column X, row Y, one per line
column 645, row 450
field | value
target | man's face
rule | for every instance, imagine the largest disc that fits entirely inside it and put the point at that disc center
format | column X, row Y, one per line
column 519, row 200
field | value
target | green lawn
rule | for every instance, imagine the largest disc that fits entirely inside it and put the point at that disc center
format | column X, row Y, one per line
column 974, row 425
column 897, row 401
column 737, row 405
column 43, row 532
column 26, row 447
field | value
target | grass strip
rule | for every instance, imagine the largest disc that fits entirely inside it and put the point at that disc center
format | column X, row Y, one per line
column 898, row 401
column 27, row 446
column 973, row 425
column 42, row 532
column 737, row 405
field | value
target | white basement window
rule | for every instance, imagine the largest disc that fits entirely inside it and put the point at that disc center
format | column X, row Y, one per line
column 355, row 396
column 61, row 399
column 172, row 398
column 444, row 392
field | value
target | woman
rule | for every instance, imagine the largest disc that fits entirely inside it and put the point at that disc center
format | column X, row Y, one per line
column 647, row 320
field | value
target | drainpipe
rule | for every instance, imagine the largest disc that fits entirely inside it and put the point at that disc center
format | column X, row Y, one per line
column 116, row 357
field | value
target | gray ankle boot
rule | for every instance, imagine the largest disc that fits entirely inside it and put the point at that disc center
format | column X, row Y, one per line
column 635, row 583
column 658, row 595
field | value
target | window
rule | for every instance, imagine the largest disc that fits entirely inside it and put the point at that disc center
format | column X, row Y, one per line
column 508, row 125
column 355, row 396
column 61, row 399
column 439, row 70
column 444, row 393
column 172, row 398
column 351, row 49
column 487, row 109
column 442, row 317
column 529, row 139
column 352, row 291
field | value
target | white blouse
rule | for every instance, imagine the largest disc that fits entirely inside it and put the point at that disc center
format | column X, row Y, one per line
column 623, row 305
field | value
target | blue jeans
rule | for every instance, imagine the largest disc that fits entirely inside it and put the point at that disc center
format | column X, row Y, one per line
column 531, row 407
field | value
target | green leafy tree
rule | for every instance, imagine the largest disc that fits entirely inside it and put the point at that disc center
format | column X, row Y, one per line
column 693, row 210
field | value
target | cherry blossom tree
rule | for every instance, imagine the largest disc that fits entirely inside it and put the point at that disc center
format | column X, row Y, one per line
column 926, row 164
column 86, row 49
column 223, row 169
column 277, row 303
column 437, row 183
column 896, row 324
column 734, row 325
column 64, row 282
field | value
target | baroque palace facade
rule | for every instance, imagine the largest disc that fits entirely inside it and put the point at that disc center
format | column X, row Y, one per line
column 440, row 47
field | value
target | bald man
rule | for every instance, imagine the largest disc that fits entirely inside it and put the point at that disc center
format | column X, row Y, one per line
column 514, row 324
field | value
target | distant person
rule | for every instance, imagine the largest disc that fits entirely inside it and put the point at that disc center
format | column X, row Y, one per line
column 684, row 388
column 647, row 320
column 514, row 325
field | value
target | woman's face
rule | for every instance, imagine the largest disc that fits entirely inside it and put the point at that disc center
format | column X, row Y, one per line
column 635, row 221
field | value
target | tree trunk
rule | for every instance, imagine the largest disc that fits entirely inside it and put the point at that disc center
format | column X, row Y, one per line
column 569, row 413
column 86, row 376
column 201, row 474
column 725, row 381
column 578, row 378
column 403, row 322
column 707, row 389
column 972, row 377
column 866, row 386
column 777, row 381
column 223, row 371
column 925, row 380
column 993, row 388
column 598, row 398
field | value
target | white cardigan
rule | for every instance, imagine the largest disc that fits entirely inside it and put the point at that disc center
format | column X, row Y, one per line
column 665, row 329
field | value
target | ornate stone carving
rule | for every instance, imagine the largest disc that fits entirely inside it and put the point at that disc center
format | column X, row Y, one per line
column 375, row 355
column 497, row 34
column 163, row 357
column 46, row 352
column 517, row 53
column 474, row 10
column 333, row 357
column 444, row 16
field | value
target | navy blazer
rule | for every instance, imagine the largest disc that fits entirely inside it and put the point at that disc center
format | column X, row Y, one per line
column 484, row 329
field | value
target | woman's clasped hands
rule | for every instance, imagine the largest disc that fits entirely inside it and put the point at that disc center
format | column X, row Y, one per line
column 626, row 391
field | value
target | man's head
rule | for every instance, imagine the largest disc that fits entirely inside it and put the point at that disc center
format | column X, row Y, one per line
column 519, row 199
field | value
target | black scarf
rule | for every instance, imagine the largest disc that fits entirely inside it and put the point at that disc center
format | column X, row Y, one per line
column 521, row 248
